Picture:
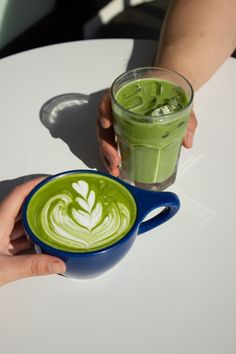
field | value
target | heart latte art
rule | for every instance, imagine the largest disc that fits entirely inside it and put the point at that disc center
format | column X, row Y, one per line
column 81, row 212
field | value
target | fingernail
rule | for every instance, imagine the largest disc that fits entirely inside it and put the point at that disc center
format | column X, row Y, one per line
column 105, row 122
column 189, row 139
column 114, row 171
column 55, row 267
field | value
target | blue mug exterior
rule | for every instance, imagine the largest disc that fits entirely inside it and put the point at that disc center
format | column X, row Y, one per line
column 94, row 263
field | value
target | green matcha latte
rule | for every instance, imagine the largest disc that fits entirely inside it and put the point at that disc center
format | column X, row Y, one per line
column 150, row 120
column 81, row 212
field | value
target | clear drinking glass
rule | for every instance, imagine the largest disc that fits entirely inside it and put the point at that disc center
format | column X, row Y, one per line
column 151, row 108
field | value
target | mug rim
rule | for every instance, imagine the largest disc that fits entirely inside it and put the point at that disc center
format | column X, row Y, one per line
column 58, row 251
column 165, row 117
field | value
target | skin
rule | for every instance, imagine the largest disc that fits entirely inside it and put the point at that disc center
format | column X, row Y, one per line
column 13, row 241
column 197, row 37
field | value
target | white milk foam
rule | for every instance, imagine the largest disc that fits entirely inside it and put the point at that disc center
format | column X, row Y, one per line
column 86, row 225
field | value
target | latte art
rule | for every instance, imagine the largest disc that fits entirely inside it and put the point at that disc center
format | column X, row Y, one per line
column 82, row 214
column 84, row 225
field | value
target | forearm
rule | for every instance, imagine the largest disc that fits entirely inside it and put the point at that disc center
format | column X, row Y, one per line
column 197, row 37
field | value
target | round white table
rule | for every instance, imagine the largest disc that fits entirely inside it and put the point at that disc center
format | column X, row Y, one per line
column 175, row 291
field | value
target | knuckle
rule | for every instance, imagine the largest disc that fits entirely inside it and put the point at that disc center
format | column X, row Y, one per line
column 103, row 144
column 37, row 266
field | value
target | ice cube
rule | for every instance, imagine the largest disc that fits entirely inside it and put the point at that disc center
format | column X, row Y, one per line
column 130, row 96
column 162, row 110
column 158, row 88
column 133, row 102
column 175, row 104
column 146, row 107
column 152, row 89
column 131, row 91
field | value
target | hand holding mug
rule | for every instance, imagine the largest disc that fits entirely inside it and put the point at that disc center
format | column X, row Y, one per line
column 90, row 219
column 13, row 241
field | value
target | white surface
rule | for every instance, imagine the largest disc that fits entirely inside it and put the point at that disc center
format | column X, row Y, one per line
column 175, row 291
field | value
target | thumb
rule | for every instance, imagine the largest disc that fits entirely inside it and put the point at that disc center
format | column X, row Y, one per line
column 17, row 267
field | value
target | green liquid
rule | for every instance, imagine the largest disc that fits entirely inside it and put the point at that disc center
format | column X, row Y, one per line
column 150, row 137
column 81, row 212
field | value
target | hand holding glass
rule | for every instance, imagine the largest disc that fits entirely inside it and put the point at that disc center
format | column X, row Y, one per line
column 151, row 109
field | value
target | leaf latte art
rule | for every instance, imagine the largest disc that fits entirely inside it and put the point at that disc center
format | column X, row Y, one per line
column 86, row 216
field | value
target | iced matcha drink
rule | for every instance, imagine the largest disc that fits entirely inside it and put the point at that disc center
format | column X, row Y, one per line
column 150, row 119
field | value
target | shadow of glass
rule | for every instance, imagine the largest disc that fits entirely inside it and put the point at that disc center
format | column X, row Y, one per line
column 72, row 118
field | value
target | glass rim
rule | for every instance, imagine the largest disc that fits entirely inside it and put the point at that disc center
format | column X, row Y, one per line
column 164, row 117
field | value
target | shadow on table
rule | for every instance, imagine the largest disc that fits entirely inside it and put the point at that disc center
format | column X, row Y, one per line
column 72, row 116
column 8, row 185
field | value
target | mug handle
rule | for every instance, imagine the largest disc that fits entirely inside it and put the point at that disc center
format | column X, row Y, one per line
column 148, row 201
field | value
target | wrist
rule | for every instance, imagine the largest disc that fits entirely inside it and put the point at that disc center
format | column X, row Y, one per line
column 174, row 60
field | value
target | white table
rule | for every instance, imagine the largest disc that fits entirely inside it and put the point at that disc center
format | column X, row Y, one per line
column 175, row 292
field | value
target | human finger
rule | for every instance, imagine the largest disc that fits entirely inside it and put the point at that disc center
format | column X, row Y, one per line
column 18, row 231
column 192, row 126
column 11, row 205
column 17, row 267
column 19, row 245
column 105, row 111
column 108, row 149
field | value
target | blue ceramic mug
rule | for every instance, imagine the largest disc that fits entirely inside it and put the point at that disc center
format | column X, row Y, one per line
column 90, row 219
